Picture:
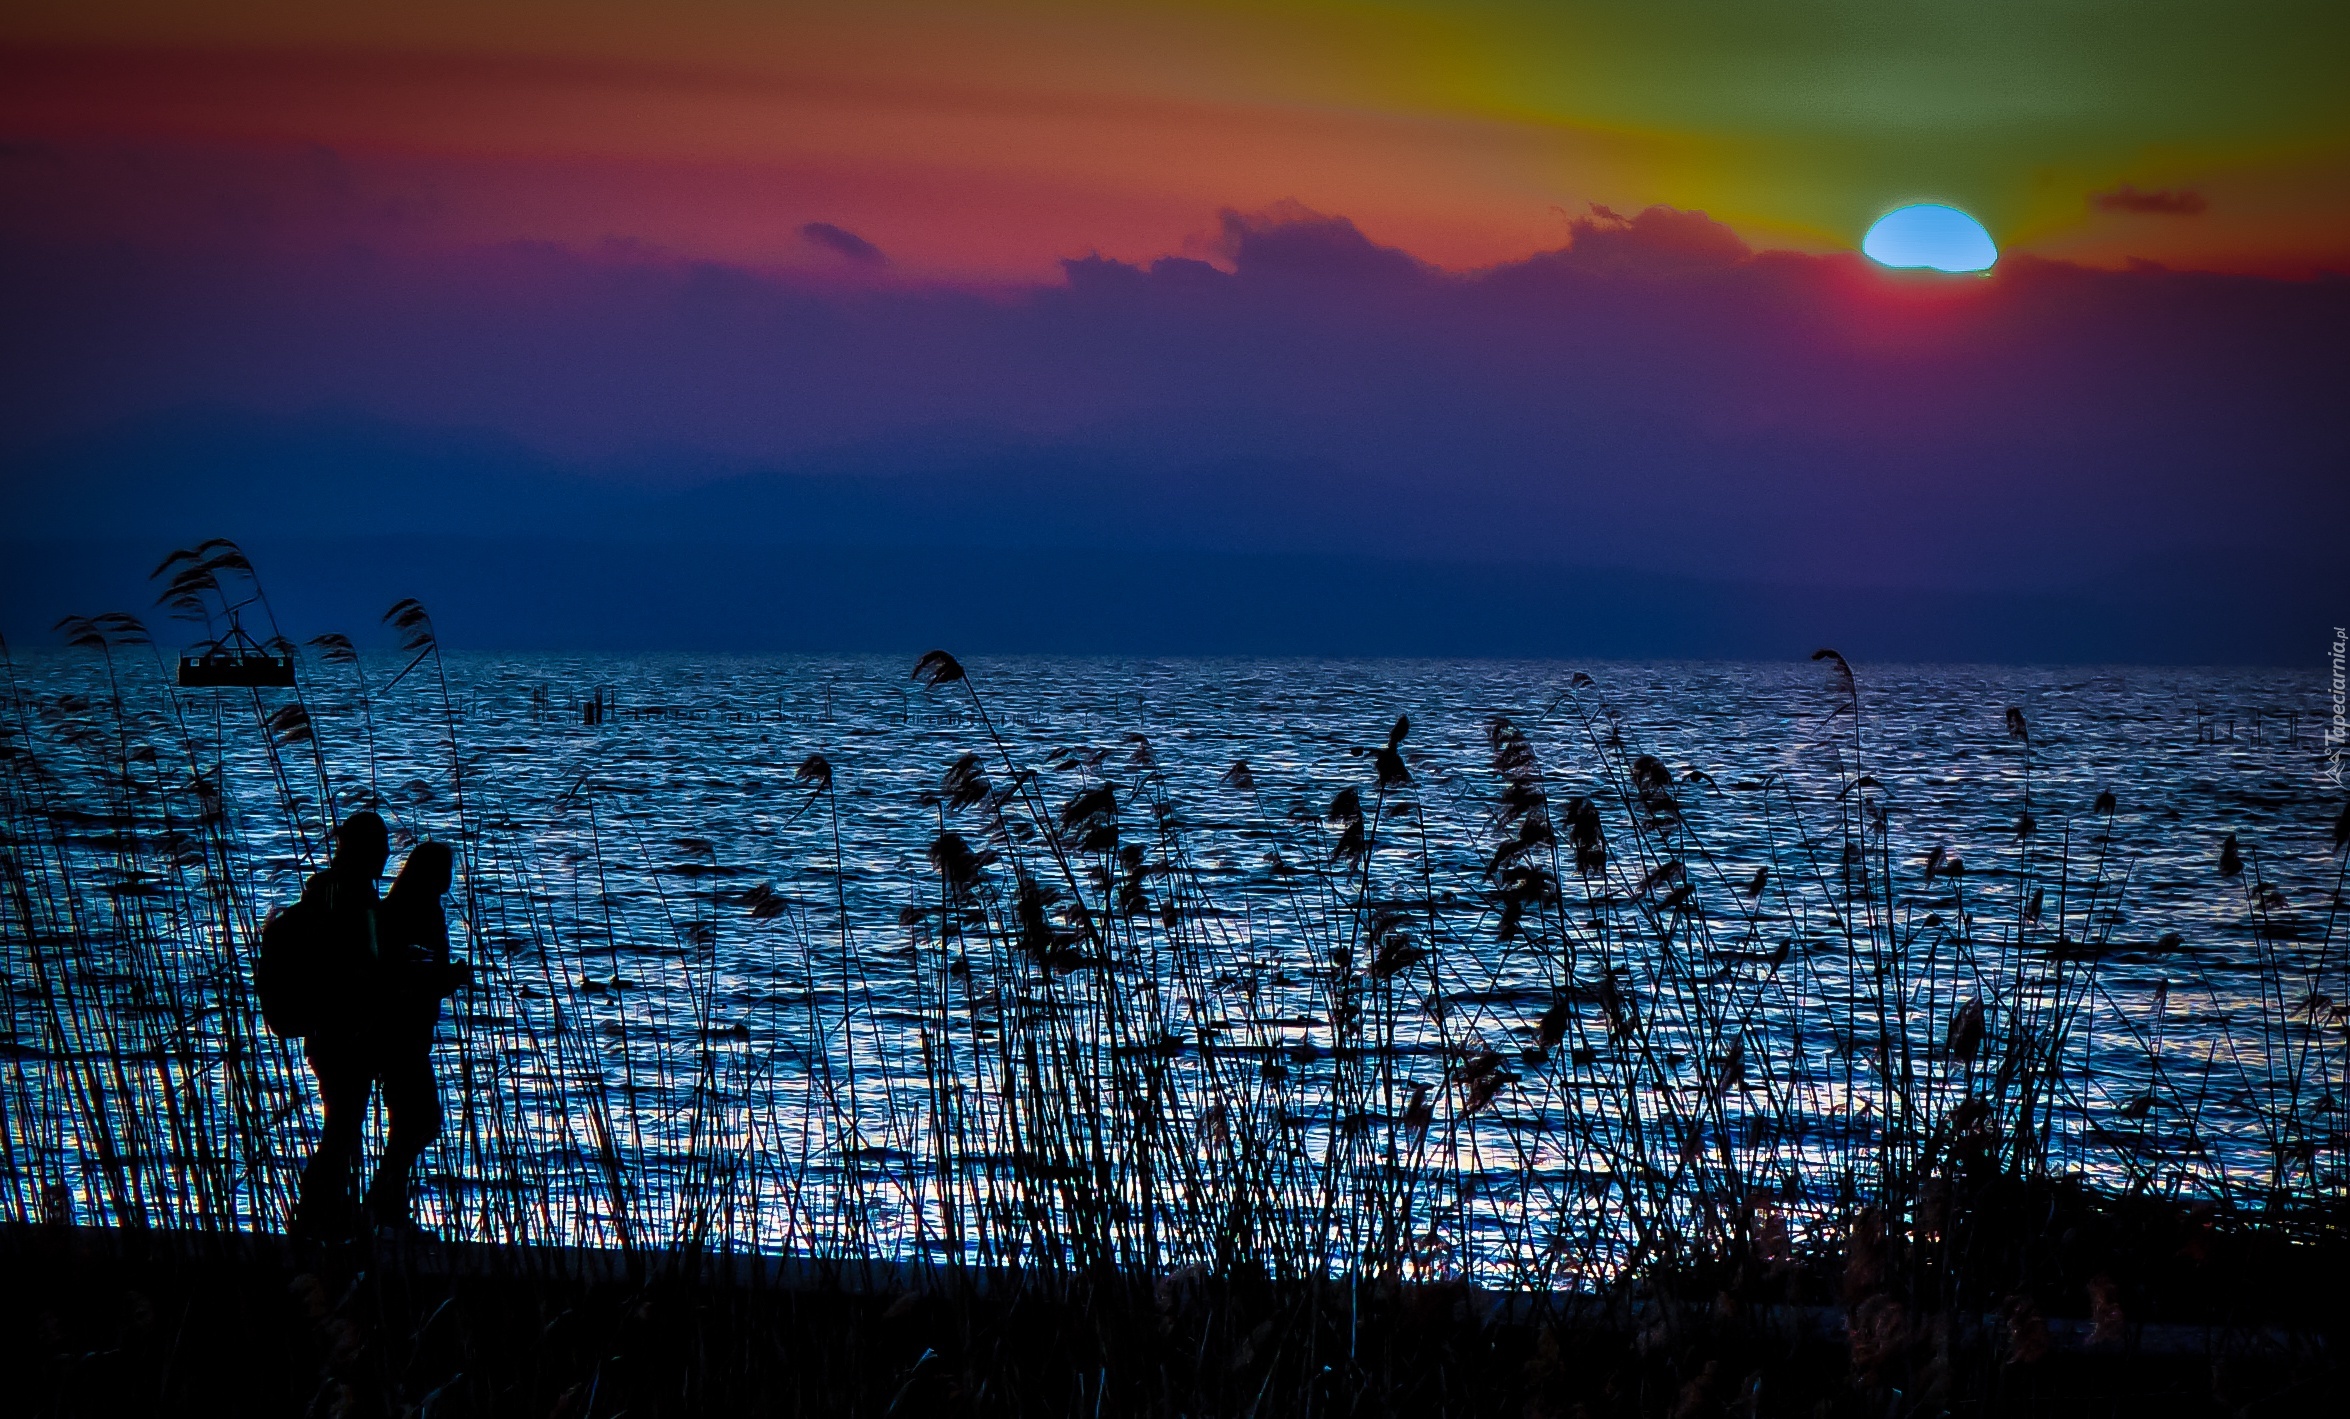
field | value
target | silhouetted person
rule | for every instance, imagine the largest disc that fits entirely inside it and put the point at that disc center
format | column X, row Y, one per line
column 340, row 1040
column 381, row 973
column 416, row 975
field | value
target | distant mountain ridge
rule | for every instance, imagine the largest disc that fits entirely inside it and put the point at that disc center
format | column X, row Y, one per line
column 993, row 541
column 522, row 593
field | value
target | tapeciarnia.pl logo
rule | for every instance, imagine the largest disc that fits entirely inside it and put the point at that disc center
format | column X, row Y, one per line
column 2340, row 728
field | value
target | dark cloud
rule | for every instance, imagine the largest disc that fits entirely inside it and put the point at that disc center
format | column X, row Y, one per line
column 1659, row 241
column 2168, row 202
column 1292, row 241
column 842, row 242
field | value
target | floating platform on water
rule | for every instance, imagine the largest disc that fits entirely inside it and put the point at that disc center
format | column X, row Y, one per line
column 236, row 670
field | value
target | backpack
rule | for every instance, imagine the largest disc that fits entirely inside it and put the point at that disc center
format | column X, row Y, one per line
column 288, row 974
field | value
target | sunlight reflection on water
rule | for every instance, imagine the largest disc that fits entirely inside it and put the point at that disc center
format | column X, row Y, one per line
column 629, row 839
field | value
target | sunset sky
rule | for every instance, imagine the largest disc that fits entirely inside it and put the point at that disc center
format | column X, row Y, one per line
column 991, row 140
column 1595, row 259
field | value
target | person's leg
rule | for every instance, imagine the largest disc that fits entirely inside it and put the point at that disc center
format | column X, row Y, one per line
column 323, row 1206
column 413, row 1098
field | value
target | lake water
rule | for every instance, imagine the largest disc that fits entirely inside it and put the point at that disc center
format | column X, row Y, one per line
column 750, row 959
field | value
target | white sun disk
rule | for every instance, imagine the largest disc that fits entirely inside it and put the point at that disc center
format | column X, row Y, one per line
column 1930, row 235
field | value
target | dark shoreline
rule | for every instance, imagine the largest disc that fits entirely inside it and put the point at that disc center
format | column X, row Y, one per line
column 104, row 1321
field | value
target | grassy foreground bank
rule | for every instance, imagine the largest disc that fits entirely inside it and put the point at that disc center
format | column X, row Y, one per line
column 107, row 1322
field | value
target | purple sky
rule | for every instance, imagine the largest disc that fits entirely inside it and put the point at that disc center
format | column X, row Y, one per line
column 1653, row 396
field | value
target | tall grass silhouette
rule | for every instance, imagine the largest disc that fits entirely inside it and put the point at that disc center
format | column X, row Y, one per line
column 1589, row 1050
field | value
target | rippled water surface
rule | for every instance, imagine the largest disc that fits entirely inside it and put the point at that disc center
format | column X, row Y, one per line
column 664, row 867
